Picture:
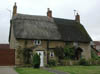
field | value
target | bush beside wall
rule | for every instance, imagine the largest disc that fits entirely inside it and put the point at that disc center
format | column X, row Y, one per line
column 36, row 61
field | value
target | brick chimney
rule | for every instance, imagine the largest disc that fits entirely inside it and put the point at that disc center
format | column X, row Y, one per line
column 77, row 18
column 14, row 9
column 49, row 13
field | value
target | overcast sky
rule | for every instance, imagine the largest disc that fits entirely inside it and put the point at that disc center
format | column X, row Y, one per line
column 89, row 11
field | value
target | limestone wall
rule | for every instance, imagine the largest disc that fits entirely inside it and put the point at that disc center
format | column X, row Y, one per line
column 13, row 41
column 16, row 44
column 54, row 44
column 86, row 50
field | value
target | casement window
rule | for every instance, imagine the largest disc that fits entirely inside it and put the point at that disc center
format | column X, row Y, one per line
column 51, row 54
column 75, row 44
column 37, row 42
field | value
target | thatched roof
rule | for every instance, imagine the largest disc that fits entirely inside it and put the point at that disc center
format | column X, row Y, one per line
column 45, row 28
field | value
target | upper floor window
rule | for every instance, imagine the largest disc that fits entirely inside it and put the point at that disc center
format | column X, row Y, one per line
column 37, row 42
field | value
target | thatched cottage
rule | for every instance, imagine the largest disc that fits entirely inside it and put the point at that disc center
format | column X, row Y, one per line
column 44, row 33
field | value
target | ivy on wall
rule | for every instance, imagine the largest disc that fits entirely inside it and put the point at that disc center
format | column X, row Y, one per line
column 20, row 54
column 27, row 55
column 68, row 52
column 24, row 54
column 59, row 52
column 93, row 54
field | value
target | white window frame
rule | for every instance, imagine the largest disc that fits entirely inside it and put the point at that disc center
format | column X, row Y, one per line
column 75, row 44
column 51, row 54
column 37, row 42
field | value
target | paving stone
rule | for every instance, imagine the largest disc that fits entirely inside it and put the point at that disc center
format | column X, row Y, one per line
column 7, row 70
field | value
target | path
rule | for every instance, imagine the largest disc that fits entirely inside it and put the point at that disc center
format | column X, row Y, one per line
column 7, row 70
column 55, row 71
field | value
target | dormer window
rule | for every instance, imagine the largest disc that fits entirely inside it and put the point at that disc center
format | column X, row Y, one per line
column 37, row 42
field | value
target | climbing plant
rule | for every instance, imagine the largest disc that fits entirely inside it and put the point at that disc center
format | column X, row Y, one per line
column 93, row 54
column 69, row 52
column 27, row 55
column 59, row 52
column 20, row 54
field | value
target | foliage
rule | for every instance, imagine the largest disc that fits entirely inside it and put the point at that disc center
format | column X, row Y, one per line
column 24, row 55
column 99, row 61
column 20, row 54
column 93, row 54
column 68, row 62
column 83, row 62
column 27, row 55
column 36, row 61
column 69, row 52
column 94, row 61
column 59, row 50
column 52, row 62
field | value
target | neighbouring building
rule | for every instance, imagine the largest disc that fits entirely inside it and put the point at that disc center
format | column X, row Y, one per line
column 96, row 47
column 7, row 55
column 44, row 33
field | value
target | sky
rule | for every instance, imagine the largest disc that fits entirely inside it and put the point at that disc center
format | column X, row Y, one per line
column 89, row 11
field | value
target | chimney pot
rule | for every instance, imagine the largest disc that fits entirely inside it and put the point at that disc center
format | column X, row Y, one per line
column 49, row 13
column 77, row 18
column 14, row 9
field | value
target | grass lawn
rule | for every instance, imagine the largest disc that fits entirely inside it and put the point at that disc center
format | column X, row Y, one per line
column 79, row 69
column 31, row 71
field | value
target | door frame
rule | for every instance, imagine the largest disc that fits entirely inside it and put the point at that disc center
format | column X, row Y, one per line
column 41, row 57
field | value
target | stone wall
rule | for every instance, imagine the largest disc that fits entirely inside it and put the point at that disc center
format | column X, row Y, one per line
column 12, row 40
column 54, row 44
column 16, row 44
column 86, row 50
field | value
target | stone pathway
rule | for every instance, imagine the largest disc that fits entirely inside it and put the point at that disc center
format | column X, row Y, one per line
column 55, row 71
column 7, row 70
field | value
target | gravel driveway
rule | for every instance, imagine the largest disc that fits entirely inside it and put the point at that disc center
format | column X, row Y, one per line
column 7, row 70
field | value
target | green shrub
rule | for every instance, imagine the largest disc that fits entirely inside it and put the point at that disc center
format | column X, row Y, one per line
column 62, row 63
column 83, row 62
column 52, row 63
column 94, row 55
column 94, row 62
column 99, row 61
column 36, row 61
column 69, row 52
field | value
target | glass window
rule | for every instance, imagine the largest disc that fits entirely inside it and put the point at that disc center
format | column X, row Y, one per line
column 51, row 54
column 75, row 44
column 37, row 42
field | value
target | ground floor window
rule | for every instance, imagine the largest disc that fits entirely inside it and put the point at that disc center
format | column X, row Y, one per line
column 51, row 54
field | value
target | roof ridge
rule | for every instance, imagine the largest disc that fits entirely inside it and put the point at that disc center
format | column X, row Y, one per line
column 44, row 16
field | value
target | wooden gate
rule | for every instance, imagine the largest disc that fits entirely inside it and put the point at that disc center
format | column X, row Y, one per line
column 7, row 57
